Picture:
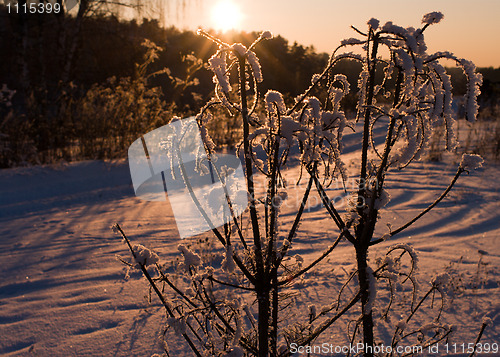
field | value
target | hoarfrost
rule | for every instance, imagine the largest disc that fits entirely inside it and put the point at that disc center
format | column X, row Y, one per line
column 382, row 200
column 239, row 48
column 190, row 258
column 266, row 35
column 405, row 60
column 487, row 321
column 228, row 264
column 315, row 105
column 144, row 256
column 218, row 66
column 288, row 128
column 255, row 64
column 471, row 162
column 409, row 249
column 473, row 89
column 432, row 18
column 351, row 41
column 373, row 23
column 441, row 280
column 372, row 289
column 206, row 273
column 274, row 98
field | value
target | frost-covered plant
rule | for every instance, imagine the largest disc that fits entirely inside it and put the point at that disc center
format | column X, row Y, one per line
column 255, row 245
column 398, row 270
column 413, row 97
column 111, row 115
column 16, row 144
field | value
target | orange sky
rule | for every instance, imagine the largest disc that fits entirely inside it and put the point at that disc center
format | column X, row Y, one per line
column 470, row 29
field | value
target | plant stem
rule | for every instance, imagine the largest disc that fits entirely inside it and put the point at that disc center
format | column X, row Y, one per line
column 295, row 224
column 155, row 288
column 248, row 166
column 316, row 261
column 366, row 226
column 364, row 287
column 262, row 286
column 274, row 324
column 372, row 65
column 483, row 327
column 263, row 323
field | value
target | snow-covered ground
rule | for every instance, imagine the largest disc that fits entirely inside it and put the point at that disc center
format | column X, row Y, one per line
column 63, row 293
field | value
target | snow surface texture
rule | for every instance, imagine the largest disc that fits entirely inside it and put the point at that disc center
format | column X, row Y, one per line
column 63, row 293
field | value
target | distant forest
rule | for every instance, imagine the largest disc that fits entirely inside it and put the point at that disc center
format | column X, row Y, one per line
column 84, row 89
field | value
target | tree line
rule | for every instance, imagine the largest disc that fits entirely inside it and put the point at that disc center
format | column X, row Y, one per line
column 66, row 70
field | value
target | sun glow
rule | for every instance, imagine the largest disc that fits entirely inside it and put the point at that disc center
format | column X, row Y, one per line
column 226, row 15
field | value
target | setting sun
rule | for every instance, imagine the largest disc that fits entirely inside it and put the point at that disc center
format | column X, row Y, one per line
column 226, row 15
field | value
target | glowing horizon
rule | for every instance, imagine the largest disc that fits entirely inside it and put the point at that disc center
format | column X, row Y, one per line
column 467, row 30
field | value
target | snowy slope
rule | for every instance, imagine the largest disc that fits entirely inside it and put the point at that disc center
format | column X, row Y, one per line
column 63, row 293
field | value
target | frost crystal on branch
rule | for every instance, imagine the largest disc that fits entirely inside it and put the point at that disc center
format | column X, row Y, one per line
column 487, row 320
column 274, row 100
column 408, row 249
column 145, row 256
column 422, row 97
column 190, row 258
column 351, row 41
column 382, row 200
column 228, row 262
column 255, row 64
column 432, row 18
column 267, row 35
column 218, row 66
column 372, row 286
column 240, row 49
column 373, row 23
column 441, row 280
column 471, row 162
